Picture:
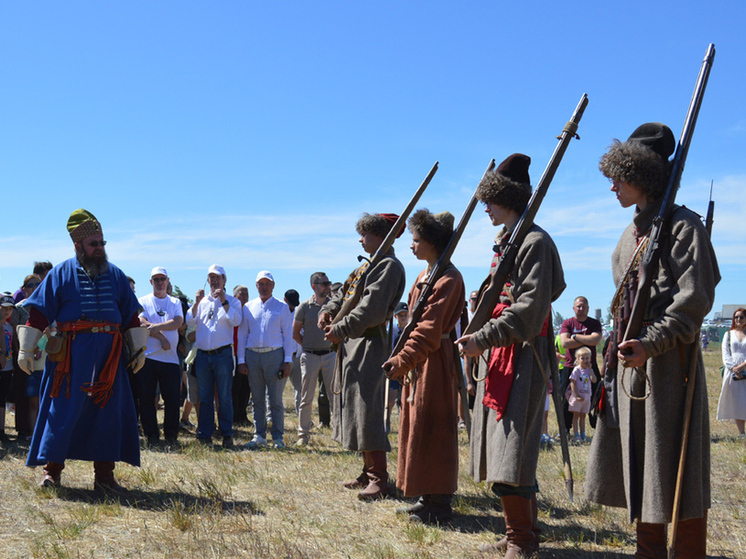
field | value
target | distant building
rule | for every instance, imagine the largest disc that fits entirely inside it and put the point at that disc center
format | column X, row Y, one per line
column 727, row 312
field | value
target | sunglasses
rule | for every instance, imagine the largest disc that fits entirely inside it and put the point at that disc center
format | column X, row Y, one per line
column 30, row 285
column 96, row 244
column 324, row 283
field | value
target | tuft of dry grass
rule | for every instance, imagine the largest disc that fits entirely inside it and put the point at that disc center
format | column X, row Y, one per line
column 196, row 502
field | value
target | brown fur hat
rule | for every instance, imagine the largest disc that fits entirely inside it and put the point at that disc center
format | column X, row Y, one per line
column 509, row 185
column 378, row 224
column 642, row 161
column 436, row 229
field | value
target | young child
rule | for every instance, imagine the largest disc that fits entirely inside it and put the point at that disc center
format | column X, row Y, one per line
column 579, row 393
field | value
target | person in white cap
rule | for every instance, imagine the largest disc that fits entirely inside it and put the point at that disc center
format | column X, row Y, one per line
column 214, row 316
column 265, row 351
column 86, row 410
column 162, row 316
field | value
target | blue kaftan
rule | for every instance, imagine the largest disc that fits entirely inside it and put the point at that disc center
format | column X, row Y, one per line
column 75, row 427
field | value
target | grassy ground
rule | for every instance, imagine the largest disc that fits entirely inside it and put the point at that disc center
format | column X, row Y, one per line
column 201, row 503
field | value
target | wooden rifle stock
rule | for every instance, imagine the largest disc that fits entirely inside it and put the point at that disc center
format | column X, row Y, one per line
column 355, row 291
column 490, row 295
column 660, row 228
column 437, row 271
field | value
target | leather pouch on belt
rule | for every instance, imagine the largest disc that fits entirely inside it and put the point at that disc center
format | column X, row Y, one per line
column 56, row 348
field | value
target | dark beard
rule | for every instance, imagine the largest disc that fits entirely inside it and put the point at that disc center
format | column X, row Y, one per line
column 94, row 265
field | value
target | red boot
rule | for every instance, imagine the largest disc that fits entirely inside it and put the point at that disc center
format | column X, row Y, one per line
column 52, row 474
column 502, row 544
column 651, row 541
column 518, row 513
column 104, row 477
column 360, row 481
column 378, row 477
column 691, row 539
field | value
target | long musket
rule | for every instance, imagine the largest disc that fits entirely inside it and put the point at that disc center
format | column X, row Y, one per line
column 660, row 229
column 355, row 290
column 490, row 296
column 440, row 266
column 653, row 263
column 435, row 274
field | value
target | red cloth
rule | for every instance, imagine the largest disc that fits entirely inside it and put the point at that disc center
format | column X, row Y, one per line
column 499, row 379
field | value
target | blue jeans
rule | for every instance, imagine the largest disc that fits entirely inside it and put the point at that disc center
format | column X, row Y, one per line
column 263, row 379
column 215, row 372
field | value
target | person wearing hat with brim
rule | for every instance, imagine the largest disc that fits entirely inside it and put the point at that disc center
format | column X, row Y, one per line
column 214, row 315
column 506, row 426
column 428, row 423
column 358, row 409
column 86, row 409
column 162, row 315
column 633, row 465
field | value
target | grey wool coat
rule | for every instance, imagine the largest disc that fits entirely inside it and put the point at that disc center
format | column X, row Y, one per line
column 507, row 451
column 635, row 466
column 357, row 421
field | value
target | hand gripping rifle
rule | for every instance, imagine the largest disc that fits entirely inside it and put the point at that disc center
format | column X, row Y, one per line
column 355, row 290
column 490, row 295
column 435, row 274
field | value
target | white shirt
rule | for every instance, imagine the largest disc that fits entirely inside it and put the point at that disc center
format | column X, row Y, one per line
column 266, row 324
column 157, row 311
column 214, row 323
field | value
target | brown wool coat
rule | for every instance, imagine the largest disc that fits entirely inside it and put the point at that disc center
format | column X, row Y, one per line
column 635, row 466
column 507, row 451
column 357, row 420
column 428, row 426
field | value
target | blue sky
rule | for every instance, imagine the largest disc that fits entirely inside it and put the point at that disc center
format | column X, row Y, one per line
column 255, row 134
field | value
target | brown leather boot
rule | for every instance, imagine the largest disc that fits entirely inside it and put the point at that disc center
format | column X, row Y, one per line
column 378, row 477
column 103, row 479
column 52, row 474
column 691, row 539
column 502, row 544
column 522, row 541
column 651, row 541
column 360, row 481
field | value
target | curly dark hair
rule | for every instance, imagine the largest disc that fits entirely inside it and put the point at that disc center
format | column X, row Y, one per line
column 637, row 165
column 498, row 189
column 373, row 223
column 436, row 229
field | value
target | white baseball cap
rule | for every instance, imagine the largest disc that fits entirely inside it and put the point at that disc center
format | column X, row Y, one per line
column 158, row 271
column 265, row 274
column 216, row 269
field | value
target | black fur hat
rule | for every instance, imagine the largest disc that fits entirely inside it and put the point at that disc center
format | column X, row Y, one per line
column 642, row 161
column 509, row 185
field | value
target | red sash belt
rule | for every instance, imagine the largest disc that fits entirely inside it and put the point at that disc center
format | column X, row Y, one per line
column 101, row 389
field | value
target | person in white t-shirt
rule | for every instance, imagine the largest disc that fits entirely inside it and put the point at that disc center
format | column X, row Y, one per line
column 162, row 314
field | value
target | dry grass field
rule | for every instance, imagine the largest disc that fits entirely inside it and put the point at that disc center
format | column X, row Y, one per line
column 194, row 502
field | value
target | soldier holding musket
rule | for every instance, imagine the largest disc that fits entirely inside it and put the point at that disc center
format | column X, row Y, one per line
column 428, row 426
column 508, row 412
column 363, row 347
column 635, row 453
